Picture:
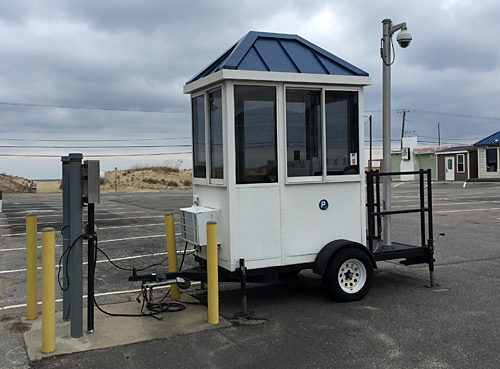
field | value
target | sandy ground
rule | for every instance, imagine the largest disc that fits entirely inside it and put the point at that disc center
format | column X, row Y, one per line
column 151, row 180
column 122, row 181
column 11, row 184
column 48, row 187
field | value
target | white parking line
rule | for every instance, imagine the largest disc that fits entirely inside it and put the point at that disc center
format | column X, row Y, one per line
column 104, row 260
column 103, row 241
column 112, row 227
column 60, row 215
column 97, row 221
column 95, row 295
column 464, row 210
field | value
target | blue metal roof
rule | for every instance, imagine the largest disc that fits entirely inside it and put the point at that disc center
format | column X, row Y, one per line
column 277, row 52
column 493, row 140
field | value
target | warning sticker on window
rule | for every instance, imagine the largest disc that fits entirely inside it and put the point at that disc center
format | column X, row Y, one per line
column 354, row 158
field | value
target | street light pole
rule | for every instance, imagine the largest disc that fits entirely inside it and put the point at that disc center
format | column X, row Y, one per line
column 404, row 39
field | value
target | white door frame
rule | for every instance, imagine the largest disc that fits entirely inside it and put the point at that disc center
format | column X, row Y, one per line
column 449, row 173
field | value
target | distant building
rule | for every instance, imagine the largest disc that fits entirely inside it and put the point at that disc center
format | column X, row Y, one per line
column 488, row 153
column 457, row 163
column 411, row 158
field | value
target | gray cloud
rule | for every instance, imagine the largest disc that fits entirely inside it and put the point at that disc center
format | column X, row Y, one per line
column 138, row 55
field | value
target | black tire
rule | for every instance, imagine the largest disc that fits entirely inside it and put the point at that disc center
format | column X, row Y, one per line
column 349, row 275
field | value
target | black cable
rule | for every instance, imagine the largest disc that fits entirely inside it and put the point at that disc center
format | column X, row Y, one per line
column 133, row 269
column 155, row 309
column 183, row 256
column 68, row 250
column 180, row 268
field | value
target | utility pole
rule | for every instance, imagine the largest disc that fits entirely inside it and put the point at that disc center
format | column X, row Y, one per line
column 403, row 126
column 404, row 38
column 439, row 136
column 371, row 159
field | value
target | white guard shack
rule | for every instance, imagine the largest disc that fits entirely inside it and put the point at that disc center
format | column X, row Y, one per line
column 277, row 126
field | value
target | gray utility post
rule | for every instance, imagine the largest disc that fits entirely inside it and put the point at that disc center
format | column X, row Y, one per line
column 65, row 233
column 404, row 39
column 75, row 253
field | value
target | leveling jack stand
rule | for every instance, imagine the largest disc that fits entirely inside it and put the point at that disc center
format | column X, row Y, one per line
column 243, row 273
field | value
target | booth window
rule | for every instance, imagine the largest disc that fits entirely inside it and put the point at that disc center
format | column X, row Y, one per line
column 199, row 154
column 216, row 153
column 303, row 133
column 342, row 137
column 460, row 163
column 255, row 134
column 491, row 160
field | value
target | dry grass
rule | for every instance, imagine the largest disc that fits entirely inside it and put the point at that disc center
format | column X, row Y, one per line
column 12, row 184
column 167, row 166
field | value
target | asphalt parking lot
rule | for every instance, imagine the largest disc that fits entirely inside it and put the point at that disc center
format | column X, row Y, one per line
column 401, row 323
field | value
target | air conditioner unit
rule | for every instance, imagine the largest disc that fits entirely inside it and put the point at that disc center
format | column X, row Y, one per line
column 194, row 224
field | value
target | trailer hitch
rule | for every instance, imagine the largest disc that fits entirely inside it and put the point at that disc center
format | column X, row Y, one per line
column 194, row 274
column 183, row 283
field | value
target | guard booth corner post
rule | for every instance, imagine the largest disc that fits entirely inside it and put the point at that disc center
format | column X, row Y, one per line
column 31, row 267
column 175, row 292
column 48, row 291
column 212, row 273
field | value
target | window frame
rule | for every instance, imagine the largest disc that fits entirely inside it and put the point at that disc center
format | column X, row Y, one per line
column 325, row 177
column 277, row 147
column 463, row 163
column 497, row 159
column 304, row 178
column 207, row 180
column 200, row 180
column 213, row 180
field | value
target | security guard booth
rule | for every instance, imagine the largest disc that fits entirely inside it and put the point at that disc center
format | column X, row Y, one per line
column 277, row 126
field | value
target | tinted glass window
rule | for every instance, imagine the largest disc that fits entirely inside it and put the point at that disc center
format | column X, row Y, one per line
column 303, row 133
column 342, row 138
column 491, row 160
column 460, row 163
column 255, row 134
column 199, row 155
column 216, row 158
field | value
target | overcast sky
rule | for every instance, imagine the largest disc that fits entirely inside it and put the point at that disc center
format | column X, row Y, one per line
column 75, row 74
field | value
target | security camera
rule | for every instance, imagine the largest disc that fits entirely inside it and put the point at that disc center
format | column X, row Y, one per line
column 404, row 38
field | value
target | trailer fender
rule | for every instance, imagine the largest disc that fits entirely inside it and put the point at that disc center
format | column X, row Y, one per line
column 331, row 248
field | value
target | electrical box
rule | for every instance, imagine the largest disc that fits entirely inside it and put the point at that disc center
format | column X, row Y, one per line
column 194, row 224
column 91, row 182
column 405, row 153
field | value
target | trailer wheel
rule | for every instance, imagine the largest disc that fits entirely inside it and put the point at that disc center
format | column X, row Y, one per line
column 348, row 275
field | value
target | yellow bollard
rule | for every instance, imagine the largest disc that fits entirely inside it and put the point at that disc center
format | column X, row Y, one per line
column 175, row 293
column 212, row 273
column 31, row 268
column 48, row 291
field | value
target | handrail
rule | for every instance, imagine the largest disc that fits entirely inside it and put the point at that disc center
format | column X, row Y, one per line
column 375, row 213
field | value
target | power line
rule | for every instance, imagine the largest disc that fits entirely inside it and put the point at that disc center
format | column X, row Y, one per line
column 77, row 107
column 469, row 116
column 96, row 155
column 97, row 140
column 88, row 147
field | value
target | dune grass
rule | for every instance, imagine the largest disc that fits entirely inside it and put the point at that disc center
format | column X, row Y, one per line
column 166, row 166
